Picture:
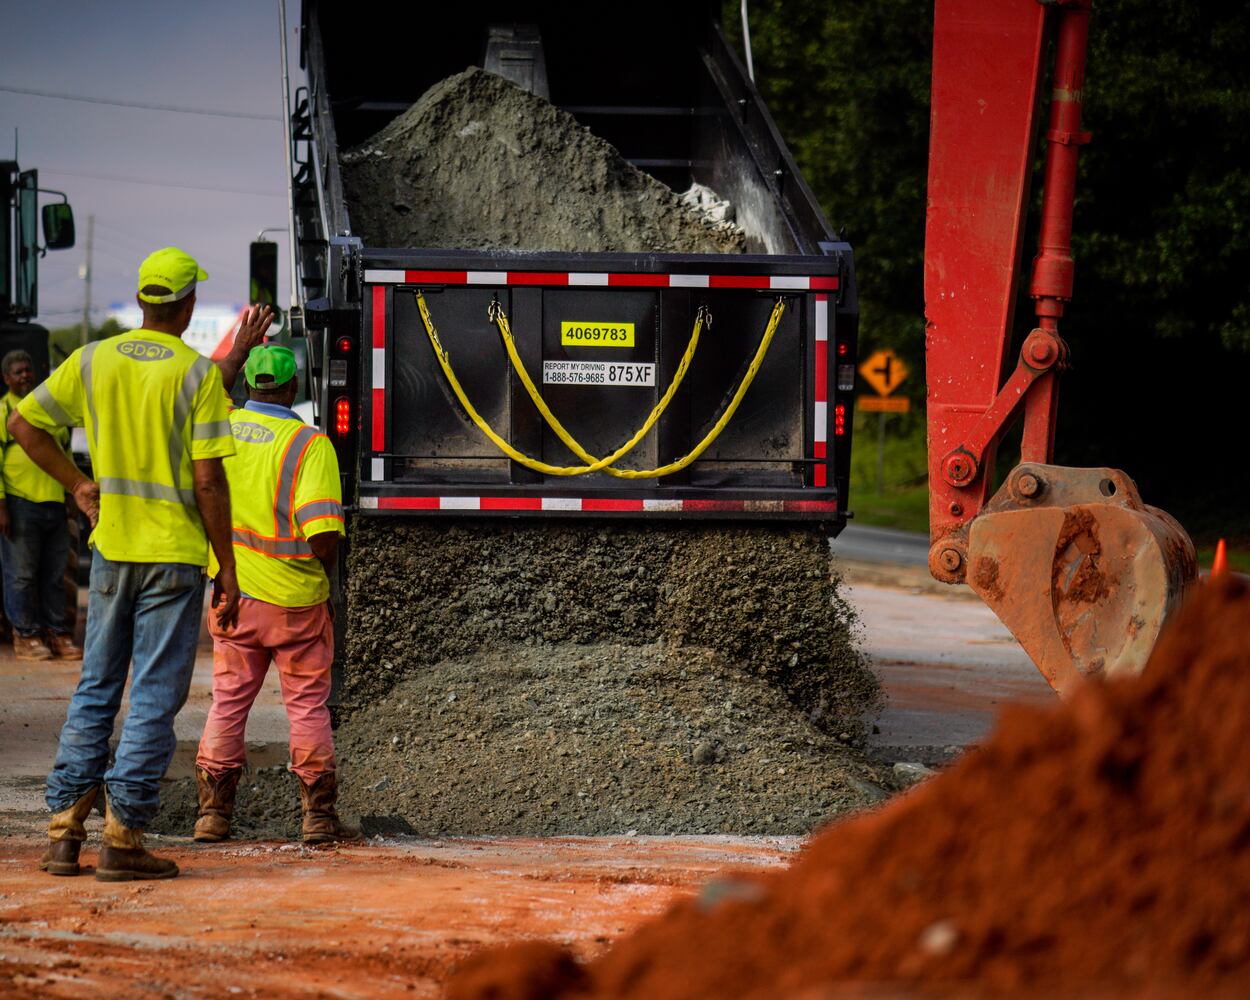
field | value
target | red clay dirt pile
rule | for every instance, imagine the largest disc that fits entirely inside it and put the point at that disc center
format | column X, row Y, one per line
column 1097, row 848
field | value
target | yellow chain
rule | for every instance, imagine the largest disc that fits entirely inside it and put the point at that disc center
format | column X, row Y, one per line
column 596, row 464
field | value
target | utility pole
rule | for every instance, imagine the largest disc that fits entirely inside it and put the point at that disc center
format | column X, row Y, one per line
column 86, row 273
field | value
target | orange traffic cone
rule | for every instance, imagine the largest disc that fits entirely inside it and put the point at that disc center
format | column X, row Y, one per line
column 1219, row 565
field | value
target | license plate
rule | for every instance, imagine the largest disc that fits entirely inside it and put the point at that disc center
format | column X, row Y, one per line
column 598, row 373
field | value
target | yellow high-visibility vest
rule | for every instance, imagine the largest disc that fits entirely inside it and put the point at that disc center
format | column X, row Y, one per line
column 284, row 488
column 151, row 405
column 19, row 476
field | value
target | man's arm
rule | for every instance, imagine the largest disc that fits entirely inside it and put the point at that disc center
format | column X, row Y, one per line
column 212, row 497
column 325, row 546
column 47, row 454
column 252, row 329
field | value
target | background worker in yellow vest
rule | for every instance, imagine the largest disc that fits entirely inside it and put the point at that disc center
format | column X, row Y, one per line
column 286, row 502
column 156, row 419
column 34, row 534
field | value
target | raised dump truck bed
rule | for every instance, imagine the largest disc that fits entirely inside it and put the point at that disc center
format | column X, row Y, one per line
column 666, row 90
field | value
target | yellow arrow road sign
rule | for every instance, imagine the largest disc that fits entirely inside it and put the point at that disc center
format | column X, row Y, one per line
column 884, row 371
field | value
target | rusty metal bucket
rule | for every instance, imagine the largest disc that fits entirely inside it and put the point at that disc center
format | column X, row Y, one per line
column 1080, row 570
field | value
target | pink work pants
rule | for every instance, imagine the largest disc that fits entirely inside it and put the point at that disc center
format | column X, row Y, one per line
column 300, row 641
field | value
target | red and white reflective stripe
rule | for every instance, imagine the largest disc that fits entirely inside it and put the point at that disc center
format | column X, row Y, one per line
column 820, row 419
column 597, row 504
column 759, row 282
column 377, row 439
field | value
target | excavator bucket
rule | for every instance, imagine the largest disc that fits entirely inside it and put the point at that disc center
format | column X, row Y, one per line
column 1080, row 570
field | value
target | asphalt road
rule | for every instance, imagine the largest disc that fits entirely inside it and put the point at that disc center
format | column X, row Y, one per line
column 863, row 543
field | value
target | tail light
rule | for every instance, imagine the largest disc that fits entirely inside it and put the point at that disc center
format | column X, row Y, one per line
column 342, row 416
column 839, row 419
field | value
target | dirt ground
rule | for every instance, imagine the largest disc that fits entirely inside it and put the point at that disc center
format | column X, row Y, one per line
column 384, row 920
column 393, row 915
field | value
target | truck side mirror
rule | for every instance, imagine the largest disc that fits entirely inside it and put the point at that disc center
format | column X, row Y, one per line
column 58, row 226
column 263, row 273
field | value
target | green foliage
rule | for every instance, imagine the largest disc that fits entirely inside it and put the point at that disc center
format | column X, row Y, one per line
column 849, row 87
column 1161, row 236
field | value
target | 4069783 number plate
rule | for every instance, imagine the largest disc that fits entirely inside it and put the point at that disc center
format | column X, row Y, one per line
column 624, row 373
column 596, row 334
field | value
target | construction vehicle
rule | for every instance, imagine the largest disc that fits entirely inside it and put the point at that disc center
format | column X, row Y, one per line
column 1083, row 573
column 759, row 429
column 20, row 251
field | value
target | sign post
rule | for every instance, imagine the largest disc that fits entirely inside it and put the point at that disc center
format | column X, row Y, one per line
column 884, row 371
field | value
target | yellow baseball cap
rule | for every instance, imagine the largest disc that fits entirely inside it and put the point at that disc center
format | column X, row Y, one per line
column 169, row 268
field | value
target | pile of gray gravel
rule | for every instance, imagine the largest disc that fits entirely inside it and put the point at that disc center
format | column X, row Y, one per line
column 479, row 163
column 568, row 739
column 572, row 740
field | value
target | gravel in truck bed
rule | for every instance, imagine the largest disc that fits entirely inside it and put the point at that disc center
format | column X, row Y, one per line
column 479, row 163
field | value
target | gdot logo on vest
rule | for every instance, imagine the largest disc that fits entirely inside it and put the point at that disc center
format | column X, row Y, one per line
column 250, row 433
column 144, row 350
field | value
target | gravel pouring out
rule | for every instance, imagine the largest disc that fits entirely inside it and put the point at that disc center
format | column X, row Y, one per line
column 1098, row 848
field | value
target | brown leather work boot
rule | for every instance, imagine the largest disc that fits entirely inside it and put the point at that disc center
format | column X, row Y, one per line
column 66, row 833
column 321, row 822
column 30, row 647
column 216, row 804
column 123, row 857
column 62, row 645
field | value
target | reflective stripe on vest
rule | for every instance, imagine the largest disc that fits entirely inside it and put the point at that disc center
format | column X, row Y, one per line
column 148, row 491
column 289, row 548
column 318, row 508
column 50, row 406
column 284, row 527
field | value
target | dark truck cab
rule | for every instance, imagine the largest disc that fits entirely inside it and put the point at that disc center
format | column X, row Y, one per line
column 659, row 82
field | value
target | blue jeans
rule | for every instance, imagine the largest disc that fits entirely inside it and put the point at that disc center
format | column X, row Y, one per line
column 34, row 558
column 150, row 611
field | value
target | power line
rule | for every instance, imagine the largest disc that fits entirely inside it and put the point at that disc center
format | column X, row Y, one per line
column 141, row 105
column 148, row 183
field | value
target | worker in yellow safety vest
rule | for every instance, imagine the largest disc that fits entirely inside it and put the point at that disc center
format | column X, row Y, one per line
column 286, row 502
column 155, row 412
column 34, row 534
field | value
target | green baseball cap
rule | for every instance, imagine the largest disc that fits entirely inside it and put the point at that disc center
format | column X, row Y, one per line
column 169, row 268
column 269, row 359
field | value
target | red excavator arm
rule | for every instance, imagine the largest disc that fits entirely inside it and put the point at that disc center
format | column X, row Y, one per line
column 1082, row 572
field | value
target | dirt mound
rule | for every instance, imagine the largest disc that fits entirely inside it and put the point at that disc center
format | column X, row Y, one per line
column 764, row 596
column 1099, row 847
column 479, row 163
column 595, row 740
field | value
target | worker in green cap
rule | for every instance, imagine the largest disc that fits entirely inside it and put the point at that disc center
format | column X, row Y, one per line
column 155, row 412
column 286, row 503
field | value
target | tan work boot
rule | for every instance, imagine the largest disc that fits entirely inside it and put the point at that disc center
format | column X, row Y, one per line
column 66, row 833
column 123, row 857
column 30, row 647
column 321, row 822
column 216, row 803
column 62, row 645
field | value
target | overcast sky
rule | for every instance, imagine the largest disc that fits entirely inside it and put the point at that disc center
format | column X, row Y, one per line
column 151, row 178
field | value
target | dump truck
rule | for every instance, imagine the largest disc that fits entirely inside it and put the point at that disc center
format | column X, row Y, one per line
column 462, row 383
